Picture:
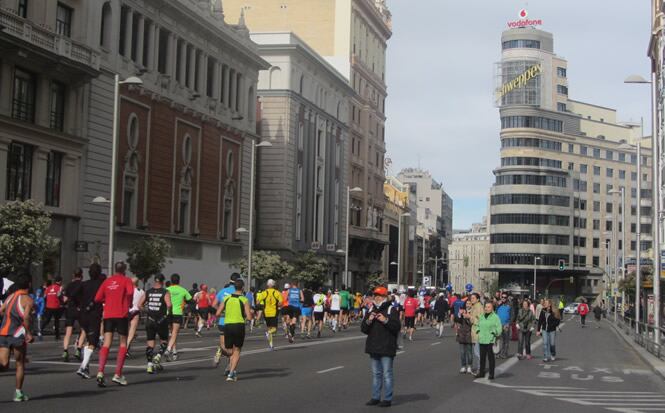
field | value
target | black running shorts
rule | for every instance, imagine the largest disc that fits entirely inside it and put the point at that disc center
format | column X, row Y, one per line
column 71, row 316
column 271, row 322
column 116, row 325
column 409, row 322
column 234, row 335
column 154, row 328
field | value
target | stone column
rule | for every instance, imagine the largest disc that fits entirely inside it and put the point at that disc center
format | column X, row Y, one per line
column 4, row 150
column 69, row 189
column 216, row 77
column 38, row 181
column 140, row 40
column 153, row 55
column 128, row 33
column 171, row 56
column 192, row 68
column 42, row 102
column 183, row 63
column 227, row 86
column 234, row 90
column 202, row 86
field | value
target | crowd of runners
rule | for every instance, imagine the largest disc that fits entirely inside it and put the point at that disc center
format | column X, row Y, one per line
column 103, row 307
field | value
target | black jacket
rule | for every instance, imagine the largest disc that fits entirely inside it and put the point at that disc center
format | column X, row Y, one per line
column 381, row 338
column 441, row 307
column 547, row 321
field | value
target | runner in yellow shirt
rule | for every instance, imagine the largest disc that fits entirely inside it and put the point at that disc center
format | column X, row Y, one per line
column 271, row 300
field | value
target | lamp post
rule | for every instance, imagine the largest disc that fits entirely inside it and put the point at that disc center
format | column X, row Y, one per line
column 348, row 224
column 656, row 210
column 535, row 269
column 399, row 247
column 622, row 192
column 132, row 80
column 250, row 231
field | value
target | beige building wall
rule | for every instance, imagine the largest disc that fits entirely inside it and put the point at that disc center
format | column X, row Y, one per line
column 469, row 252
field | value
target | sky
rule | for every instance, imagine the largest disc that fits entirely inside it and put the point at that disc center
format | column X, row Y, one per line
column 440, row 69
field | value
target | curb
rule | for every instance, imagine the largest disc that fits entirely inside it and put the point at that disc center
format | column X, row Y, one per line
column 656, row 365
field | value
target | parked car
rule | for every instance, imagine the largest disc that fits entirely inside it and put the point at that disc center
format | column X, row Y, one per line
column 571, row 308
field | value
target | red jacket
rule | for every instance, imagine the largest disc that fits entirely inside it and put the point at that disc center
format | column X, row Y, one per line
column 116, row 293
column 583, row 309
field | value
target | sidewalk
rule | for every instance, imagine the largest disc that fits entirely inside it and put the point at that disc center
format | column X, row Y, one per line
column 656, row 364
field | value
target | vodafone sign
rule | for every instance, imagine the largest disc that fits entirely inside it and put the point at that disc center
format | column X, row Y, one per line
column 524, row 21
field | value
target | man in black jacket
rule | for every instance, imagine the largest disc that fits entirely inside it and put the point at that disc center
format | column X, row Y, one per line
column 382, row 326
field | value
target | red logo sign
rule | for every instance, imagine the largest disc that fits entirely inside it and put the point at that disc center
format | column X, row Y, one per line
column 524, row 21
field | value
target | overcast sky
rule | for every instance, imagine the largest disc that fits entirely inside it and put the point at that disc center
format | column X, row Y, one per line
column 440, row 78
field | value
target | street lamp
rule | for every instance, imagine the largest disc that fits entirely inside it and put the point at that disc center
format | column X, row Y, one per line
column 535, row 269
column 622, row 192
column 348, row 224
column 399, row 246
column 132, row 80
column 250, row 231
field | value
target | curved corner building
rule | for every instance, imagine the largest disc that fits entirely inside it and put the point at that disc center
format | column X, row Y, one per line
column 552, row 203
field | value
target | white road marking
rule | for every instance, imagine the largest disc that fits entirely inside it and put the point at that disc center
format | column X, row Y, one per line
column 74, row 365
column 400, row 352
column 435, row 344
column 329, row 370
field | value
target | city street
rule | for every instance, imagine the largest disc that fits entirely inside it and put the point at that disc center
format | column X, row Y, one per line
column 595, row 371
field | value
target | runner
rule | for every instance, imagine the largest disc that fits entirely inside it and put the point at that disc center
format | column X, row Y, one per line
column 72, row 311
column 294, row 309
column 39, row 306
column 236, row 308
column 583, row 310
column 53, row 311
column 319, row 308
column 190, row 310
column 249, row 295
column 116, row 293
column 91, row 316
column 307, row 309
column 345, row 306
column 285, row 309
column 158, row 302
column 357, row 303
column 202, row 300
column 212, row 320
column 441, row 310
column 179, row 298
column 271, row 300
column 410, row 308
column 15, row 332
column 138, row 298
column 219, row 299
column 335, row 308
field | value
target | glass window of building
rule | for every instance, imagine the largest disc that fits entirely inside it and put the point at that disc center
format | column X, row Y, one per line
column 561, row 72
column 23, row 8
column 521, row 44
column 596, row 261
column 562, row 90
column 57, row 115
column 19, row 171
column 633, row 244
column 596, row 224
column 609, row 172
column 596, row 153
column 527, row 94
column 622, row 174
column 63, row 20
column 596, row 170
column 535, row 122
column 596, row 206
column 596, row 188
column 584, row 150
column 23, row 103
column 633, row 192
column 633, row 176
column 609, row 207
column 583, row 168
column 561, row 107
column 53, row 171
column 596, row 242
column 633, row 210
column 608, row 188
column 622, row 157
column 633, row 158
column 609, row 155
column 645, row 177
column 571, row 148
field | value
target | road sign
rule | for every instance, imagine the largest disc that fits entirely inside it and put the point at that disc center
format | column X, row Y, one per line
column 427, row 281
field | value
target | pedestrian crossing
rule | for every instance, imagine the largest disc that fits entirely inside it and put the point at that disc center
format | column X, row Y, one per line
column 616, row 401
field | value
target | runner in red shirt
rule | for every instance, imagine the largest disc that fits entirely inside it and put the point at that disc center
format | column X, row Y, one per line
column 583, row 309
column 203, row 303
column 116, row 293
column 53, row 308
column 411, row 305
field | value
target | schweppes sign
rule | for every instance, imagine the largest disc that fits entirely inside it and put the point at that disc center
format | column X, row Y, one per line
column 520, row 80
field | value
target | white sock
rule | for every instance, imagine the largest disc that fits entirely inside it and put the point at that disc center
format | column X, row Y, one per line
column 87, row 353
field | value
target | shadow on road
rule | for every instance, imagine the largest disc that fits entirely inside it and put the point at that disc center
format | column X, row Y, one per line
column 401, row 399
column 68, row 395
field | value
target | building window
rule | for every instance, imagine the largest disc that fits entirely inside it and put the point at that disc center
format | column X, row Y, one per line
column 53, row 171
column 596, row 206
column 583, row 168
column 584, row 150
column 57, row 117
column 609, row 155
column 609, row 207
column 596, row 153
column 562, row 90
column 299, row 195
column 571, row 148
column 609, row 172
column 19, row 171
column 23, row 8
column 23, row 104
column 622, row 157
column 596, row 225
column 63, row 20
column 596, row 242
column 521, row 44
column 531, row 122
column 561, row 72
column 596, row 170
column 622, row 174
column 561, row 107
column 105, row 26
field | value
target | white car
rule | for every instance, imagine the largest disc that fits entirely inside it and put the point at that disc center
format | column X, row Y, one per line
column 571, row 308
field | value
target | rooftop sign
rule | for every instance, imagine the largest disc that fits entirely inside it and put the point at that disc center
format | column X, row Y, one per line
column 524, row 21
column 520, row 80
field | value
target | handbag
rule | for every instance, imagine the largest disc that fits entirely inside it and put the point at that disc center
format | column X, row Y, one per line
column 496, row 347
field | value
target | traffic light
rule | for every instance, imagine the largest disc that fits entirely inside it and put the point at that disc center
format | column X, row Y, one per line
column 562, row 265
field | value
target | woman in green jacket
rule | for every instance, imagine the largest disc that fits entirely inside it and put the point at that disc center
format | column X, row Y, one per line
column 488, row 329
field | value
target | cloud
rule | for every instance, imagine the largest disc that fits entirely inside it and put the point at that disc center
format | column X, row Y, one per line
column 440, row 78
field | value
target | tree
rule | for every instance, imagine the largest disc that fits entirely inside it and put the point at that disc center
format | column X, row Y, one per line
column 376, row 279
column 24, row 238
column 309, row 269
column 147, row 256
column 265, row 265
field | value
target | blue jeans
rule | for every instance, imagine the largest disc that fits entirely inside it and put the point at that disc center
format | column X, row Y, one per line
column 476, row 356
column 548, row 343
column 382, row 376
column 466, row 354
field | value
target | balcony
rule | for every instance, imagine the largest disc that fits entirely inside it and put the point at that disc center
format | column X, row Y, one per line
column 370, row 234
column 44, row 40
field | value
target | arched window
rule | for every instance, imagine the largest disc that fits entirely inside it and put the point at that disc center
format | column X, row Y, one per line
column 130, row 174
column 105, row 31
column 251, row 104
column 275, row 77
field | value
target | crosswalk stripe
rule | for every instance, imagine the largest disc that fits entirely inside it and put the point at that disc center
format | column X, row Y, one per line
column 612, row 403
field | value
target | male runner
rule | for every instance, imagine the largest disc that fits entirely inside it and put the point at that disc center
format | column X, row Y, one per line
column 202, row 300
column 72, row 310
column 294, row 309
column 91, row 316
column 285, row 309
column 306, row 313
column 179, row 297
column 411, row 305
column 335, row 307
column 236, row 311
column 345, row 306
column 272, row 300
column 134, row 313
column 158, row 302
column 15, row 332
column 319, row 308
column 219, row 299
column 116, row 293
column 52, row 295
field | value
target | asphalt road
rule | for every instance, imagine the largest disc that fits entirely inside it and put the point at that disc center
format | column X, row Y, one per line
column 595, row 372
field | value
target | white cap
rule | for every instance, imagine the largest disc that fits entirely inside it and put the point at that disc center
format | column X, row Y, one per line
column 287, row 286
column 271, row 283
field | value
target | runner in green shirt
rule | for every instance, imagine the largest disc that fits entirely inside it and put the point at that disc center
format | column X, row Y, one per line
column 236, row 308
column 179, row 296
column 345, row 301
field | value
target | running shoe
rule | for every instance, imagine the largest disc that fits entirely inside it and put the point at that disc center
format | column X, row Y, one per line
column 151, row 368
column 174, row 356
column 462, row 370
column 65, row 356
column 83, row 373
column 157, row 359
column 119, row 380
column 233, row 376
column 553, row 358
column 19, row 396
column 168, row 355
column 198, row 334
column 218, row 357
column 100, row 380
column 78, row 354
column 291, row 339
